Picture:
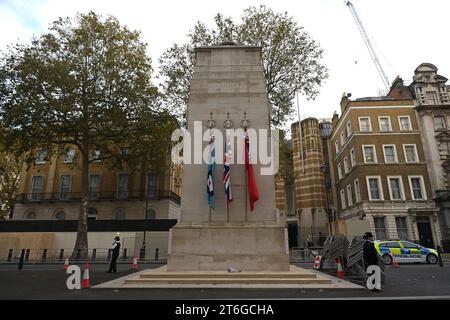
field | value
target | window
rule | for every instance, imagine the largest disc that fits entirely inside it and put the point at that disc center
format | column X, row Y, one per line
column 380, row 228
column 120, row 215
column 390, row 154
column 126, row 152
column 439, row 123
column 402, row 229
column 345, row 165
column 444, row 148
column 69, row 156
column 336, row 146
column 385, row 124
column 352, row 157
column 151, row 214
column 395, row 188
column 343, row 199
column 41, row 157
column 404, row 123
column 417, row 188
column 96, row 154
column 410, row 153
column 349, row 129
column 431, row 97
column 374, row 188
column 342, row 138
column 409, row 245
column 392, row 244
column 36, row 187
column 151, row 185
column 369, row 154
column 349, row 195
column 60, row 215
column 364, row 124
column 122, row 186
column 92, row 214
column 94, row 185
column 339, row 171
column 357, row 191
column 64, row 186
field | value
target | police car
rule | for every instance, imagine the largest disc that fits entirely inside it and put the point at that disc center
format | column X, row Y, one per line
column 405, row 251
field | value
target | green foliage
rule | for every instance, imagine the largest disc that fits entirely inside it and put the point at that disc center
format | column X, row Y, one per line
column 10, row 169
column 291, row 59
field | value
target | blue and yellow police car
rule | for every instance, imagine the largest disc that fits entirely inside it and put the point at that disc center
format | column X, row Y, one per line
column 405, row 251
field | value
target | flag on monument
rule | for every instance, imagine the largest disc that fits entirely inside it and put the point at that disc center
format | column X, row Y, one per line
column 211, row 173
column 253, row 194
column 227, row 171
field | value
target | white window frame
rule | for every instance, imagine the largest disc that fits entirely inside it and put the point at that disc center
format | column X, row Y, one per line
column 43, row 161
column 445, row 122
column 357, row 186
column 395, row 153
column 422, row 184
column 39, row 194
column 380, row 188
column 415, row 151
column 352, row 157
column 342, row 138
column 370, row 124
column 389, row 121
column 74, row 154
column 346, row 168
column 349, row 195
column 375, row 158
column 60, row 184
column 349, row 129
column 339, row 170
column 343, row 204
column 94, row 159
column 400, row 123
column 402, row 190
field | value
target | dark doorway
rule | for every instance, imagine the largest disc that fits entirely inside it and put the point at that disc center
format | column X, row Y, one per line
column 425, row 234
column 293, row 234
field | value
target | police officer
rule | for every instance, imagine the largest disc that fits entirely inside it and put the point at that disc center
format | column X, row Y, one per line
column 115, row 254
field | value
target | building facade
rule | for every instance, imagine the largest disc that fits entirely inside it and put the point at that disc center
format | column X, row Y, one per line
column 379, row 169
column 432, row 101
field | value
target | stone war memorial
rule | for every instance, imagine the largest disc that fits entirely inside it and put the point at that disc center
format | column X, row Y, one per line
column 227, row 245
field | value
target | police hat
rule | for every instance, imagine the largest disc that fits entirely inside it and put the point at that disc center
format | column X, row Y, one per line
column 117, row 238
column 368, row 235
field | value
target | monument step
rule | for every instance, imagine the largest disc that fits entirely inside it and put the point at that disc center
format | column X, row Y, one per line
column 302, row 281
column 228, row 275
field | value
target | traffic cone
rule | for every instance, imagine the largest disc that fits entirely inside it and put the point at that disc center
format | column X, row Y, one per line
column 66, row 264
column 85, row 282
column 394, row 263
column 340, row 271
column 135, row 266
column 317, row 262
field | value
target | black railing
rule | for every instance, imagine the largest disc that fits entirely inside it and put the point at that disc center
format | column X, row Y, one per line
column 99, row 196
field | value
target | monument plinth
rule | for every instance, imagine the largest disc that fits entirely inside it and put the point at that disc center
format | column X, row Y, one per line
column 227, row 84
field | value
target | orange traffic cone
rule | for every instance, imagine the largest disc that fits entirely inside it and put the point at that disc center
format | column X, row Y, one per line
column 135, row 266
column 317, row 262
column 85, row 282
column 394, row 263
column 66, row 264
column 340, row 271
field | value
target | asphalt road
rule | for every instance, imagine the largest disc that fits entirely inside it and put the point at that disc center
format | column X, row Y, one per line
column 49, row 282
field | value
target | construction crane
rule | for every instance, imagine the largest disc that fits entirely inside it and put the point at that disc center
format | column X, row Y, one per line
column 369, row 46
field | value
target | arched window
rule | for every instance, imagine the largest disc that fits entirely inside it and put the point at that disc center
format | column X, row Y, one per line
column 31, row 215
column 120, row 215
column 151, row 214
column 60, row 215
column 92, row 214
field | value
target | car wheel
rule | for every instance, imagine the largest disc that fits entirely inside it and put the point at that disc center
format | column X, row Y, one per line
column 431, row 258
column 387, row 259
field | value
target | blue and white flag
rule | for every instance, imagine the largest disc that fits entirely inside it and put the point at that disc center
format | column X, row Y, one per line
column 227, row 171
column 211, row 173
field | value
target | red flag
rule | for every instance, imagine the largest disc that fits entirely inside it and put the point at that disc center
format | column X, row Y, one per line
column 251, row 181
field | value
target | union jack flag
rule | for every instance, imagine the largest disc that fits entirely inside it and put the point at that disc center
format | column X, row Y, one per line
column 227, row 171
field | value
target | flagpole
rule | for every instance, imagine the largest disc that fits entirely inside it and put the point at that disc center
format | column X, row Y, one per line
column 246, row 193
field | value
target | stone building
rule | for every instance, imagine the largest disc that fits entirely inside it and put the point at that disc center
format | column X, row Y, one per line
column 380, row 171
column 310, row 195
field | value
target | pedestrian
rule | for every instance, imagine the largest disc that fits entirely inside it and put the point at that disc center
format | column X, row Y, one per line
column 370, row 253
column 115, row 254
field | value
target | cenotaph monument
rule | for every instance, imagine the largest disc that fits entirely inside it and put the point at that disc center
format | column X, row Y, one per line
column 228, row 90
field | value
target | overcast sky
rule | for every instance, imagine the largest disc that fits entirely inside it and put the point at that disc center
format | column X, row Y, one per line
column 406, row 33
